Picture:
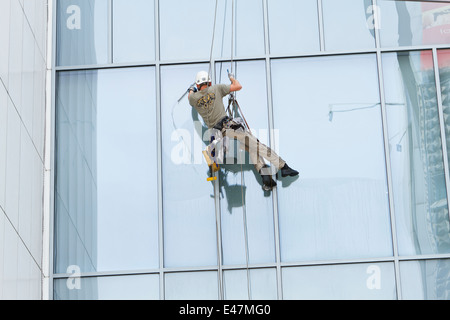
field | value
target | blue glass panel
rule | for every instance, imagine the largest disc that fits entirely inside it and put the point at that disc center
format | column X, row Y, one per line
column 135, row 287
column 188, row 199
column 348, row 25
column 254, row 219
column 420, row 194
column 369, row 281
column 133, row 30
column 413, row 23
column 425, row 279
column 293, row 26
column 106, row 179
column 329, row 122
column 191, row 286
column 256, row 284
column 82, row 32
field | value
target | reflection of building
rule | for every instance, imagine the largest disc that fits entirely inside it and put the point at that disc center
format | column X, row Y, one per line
column 368, row 217
column 76, row 174
column 430, row 197
column 76, row 149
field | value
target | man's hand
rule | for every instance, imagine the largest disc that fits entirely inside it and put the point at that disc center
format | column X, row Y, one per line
column 235, row 85
column 192, row 89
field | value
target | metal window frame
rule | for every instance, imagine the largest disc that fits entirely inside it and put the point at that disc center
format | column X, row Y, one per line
column 267, row 57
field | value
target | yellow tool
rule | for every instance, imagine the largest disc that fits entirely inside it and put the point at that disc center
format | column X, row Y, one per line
column 213, row 167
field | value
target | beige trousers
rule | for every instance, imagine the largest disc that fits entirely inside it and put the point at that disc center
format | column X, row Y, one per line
column 257, row 150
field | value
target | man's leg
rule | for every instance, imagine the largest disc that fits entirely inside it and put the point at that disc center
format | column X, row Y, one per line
column 257, row 150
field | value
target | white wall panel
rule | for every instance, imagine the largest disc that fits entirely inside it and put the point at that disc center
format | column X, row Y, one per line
column 4, row 40
column 23, row 31
column 3, row 128
column 12, row 165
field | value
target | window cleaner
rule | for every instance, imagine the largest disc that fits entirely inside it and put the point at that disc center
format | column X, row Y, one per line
column 207, row 99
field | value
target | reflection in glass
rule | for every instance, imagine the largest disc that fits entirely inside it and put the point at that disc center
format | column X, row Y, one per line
column 76, row 212
column 82, row 32
column 191, row 286
column 106, row 195
column 139, row 287
column 348, row 25
column 237, row 189
column 412, row 23
column 188, row 199
column 374, row 281
column 444, row 75
column 294, row 26
column 133, row 30
column 420, row 199
column 329, row 122
column 425, row 279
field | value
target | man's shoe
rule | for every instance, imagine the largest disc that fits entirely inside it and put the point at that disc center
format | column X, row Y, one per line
column 287, row 171
column 268, row 183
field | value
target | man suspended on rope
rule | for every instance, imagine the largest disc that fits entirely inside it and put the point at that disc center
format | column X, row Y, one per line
column 208, row 101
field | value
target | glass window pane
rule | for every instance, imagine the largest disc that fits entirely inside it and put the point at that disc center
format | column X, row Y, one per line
column 181, row 38
column 425, row 279
column 300, row 18
column 374, row 281
column 346, row 25
column 188, row 199
column 444, row 74
column 140, row 287
column 262, row 284
column 329, row 122
column 236, row 189
column 420, row 195
column 82, row 32
column 186, row 29
column 248, row 29
column 106, row 189
column 191, row 286
column 133, row 30
column 412, row 23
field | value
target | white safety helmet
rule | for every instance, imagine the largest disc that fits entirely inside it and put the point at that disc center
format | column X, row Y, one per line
column 202, row 77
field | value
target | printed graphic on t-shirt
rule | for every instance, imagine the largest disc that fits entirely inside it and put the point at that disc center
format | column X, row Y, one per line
column 207, row 101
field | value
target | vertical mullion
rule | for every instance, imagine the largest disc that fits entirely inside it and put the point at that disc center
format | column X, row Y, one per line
column 217, row 212
column 110, row 32
column 51, row 144
column 321, row 27
column 271, row 139
column 216, row 184
column 442, row 124
column 159, row 152
column 386, row 149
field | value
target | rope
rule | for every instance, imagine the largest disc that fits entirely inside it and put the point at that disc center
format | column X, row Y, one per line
column 232, row 34
column 244, row 210
column 235, row 104
column 212, row 41
column 244, row 217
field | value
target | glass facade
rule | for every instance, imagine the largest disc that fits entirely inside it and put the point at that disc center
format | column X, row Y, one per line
column 353, row 94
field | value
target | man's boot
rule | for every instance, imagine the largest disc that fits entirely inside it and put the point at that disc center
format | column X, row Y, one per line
column 287, row 171
column 268, row 182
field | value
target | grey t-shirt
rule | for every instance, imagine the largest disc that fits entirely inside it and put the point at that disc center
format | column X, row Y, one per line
column 209, row 103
